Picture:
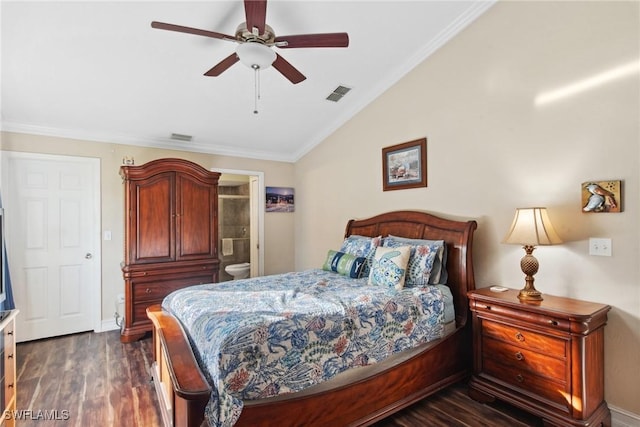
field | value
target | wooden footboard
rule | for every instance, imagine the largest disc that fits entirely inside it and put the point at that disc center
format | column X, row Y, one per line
column 183, row 392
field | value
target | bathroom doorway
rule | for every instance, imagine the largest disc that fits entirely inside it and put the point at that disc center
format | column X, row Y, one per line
column 240, row 220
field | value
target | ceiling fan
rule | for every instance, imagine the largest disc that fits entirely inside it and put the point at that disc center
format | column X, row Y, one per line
column 255, row 40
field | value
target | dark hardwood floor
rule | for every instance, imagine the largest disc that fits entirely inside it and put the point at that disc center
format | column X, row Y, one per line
column 91, row 379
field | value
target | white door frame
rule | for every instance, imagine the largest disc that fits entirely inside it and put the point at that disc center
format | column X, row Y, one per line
column 261, row 209
column 95, row 288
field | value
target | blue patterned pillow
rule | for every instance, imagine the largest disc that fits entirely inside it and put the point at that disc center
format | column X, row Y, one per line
column 439, row 275
column 389, row 266
column 421, row 261
column 361, row 246
column 345, row 264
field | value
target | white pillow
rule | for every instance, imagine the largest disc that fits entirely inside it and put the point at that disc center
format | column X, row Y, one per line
column 389, row 266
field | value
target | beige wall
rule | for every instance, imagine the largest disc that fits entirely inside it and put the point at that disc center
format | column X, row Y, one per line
column 278, row 226
column 491, row 150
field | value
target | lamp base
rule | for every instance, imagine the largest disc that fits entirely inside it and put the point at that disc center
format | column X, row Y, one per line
column 530, row 295
column 529, row 265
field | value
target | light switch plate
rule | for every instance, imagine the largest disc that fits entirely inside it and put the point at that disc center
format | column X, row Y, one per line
column 599, row 246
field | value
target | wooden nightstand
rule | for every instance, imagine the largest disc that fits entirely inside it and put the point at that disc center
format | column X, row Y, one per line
column 546, row 358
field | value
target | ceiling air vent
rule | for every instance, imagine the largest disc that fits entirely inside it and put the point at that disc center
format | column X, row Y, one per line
column 338, row 93
column 181, row 137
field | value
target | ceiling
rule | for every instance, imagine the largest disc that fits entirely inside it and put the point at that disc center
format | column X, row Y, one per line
column 97, row 71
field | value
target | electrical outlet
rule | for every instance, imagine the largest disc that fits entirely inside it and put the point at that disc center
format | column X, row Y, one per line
column 599, row 246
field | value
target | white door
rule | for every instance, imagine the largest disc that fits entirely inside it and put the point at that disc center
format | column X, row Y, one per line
column 53, row 236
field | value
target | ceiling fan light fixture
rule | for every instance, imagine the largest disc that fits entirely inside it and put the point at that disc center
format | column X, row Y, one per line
column 255, row 55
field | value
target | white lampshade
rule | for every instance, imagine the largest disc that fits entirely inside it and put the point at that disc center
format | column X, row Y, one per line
column 255, row 55
column 532, row 227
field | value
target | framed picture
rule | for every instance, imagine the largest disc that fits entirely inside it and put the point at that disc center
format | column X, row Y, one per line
column 279, row 199
column 405, row 165
column 601, row 196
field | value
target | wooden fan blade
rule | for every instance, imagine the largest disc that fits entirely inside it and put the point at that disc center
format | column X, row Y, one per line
column 288, row 70
column 189, row 30
column 313, row 40
column 256, row 14
column 223, row 65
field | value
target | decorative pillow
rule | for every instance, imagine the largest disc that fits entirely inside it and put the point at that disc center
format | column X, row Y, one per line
column 389, row 266
column 439, row 275
column 328, row 262
column 421, row 261
column 361, row 246
column 345, row 264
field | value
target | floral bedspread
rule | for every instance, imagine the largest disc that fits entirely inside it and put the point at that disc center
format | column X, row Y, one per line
column 260, row 337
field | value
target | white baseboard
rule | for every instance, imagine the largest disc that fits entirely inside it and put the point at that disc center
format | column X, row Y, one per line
column 622, row 418
column 108, row 325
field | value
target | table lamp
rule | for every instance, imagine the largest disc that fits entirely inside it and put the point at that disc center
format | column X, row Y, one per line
column 531, row 227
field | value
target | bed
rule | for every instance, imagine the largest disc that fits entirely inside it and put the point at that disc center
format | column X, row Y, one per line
column 359, row 396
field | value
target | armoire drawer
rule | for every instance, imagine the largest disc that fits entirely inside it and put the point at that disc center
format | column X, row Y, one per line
column 152, row 291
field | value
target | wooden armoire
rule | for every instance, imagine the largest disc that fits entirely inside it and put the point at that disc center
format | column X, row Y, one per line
column 171, row 235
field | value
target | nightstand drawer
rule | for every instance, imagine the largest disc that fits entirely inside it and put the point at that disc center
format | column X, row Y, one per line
column 9, row 363
column 554, row 391
column 524, row 338
column 515, row 314
column 538, row 363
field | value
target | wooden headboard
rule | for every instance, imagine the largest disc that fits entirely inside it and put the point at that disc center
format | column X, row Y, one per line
column 458, row 236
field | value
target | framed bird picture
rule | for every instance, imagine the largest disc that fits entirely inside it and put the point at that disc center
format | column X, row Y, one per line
column 601, row 196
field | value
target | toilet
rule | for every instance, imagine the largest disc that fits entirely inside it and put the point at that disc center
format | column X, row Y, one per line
column 238, row 271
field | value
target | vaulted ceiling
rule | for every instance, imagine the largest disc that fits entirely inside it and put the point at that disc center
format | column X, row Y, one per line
column 98, row 71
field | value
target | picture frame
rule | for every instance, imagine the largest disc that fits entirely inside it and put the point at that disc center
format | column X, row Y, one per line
column 601, row 196
column 280, row 199
column 405, row 165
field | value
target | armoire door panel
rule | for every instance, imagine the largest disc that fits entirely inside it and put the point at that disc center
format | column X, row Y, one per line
column 197, row 206
column 155, row 219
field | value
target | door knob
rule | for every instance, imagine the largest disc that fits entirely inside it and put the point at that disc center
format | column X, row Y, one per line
column 88, row 255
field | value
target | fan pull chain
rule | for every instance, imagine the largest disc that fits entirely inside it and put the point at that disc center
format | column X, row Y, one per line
column 256, row 75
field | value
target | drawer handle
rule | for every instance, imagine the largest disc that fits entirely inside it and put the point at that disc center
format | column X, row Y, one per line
column 487, row 307
column 553, row 322
column 519, row 378
column 10, row 356
column 10, row 385
column 10, row 333
column 148, row 290
column 519, row 356
column 519, row 336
